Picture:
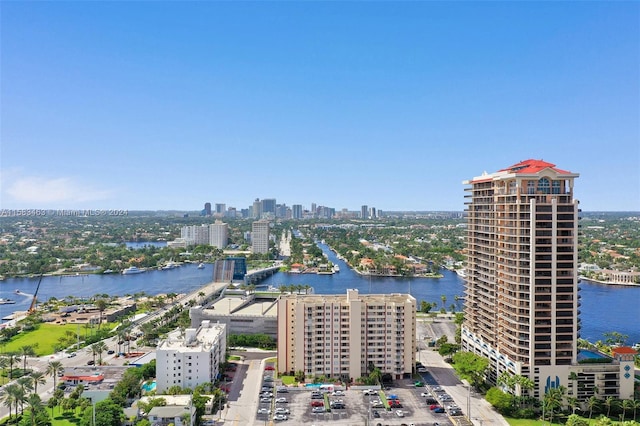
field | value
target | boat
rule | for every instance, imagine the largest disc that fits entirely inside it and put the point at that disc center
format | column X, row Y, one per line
column 6, row 301
column 462, row 273
column 108, row 271
column 336, row 268
column 132, row 270
column 201, row 265
column 170, row 265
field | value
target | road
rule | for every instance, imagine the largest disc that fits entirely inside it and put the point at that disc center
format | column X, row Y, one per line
column 84, row 355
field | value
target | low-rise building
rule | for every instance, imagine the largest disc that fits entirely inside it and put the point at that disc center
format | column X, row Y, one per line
column 191, row 359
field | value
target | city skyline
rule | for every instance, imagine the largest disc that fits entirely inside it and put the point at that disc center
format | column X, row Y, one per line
column 166, row 106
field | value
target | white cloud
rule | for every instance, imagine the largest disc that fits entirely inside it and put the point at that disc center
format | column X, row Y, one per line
column 48, row 192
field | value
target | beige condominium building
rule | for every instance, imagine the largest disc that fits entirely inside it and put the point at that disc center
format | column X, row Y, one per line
column 522, row 297
column 343, row 336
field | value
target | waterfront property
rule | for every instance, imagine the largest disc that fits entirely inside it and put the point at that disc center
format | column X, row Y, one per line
column 192, row 359
column 522, row 297
column 343, row 336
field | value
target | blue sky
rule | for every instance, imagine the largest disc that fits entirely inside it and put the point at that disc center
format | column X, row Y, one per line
column 167, row 105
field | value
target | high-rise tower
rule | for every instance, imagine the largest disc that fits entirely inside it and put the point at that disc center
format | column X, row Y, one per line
column 521, row 308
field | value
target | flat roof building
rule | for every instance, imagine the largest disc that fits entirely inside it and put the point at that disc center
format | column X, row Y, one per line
column 342, row 336
column 191, row 359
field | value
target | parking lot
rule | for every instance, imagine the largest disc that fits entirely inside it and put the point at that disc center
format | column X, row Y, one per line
column 400, row 404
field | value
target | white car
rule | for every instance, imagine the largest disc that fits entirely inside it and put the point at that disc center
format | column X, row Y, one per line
column 399, row 413
column 425, row 394
column 338, row 393
column 263, row 411
column 281, row 410
column 281, row 400
column 280, row 417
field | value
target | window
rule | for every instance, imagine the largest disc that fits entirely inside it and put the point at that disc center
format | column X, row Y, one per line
column 531, row 187
column 555, row 185
column 543, row 185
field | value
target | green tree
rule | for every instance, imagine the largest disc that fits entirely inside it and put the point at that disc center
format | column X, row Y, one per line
column 53, row 369
column 470, row 367
column 502, row 401
column 38, row 378
column 575, row 420
column 25, row 351
column 107, row 413
column 593, row 403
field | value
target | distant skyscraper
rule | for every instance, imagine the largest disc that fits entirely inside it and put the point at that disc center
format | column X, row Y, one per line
column 269, row 207
column 374, row 215
column 207, row 209
column 220, row 209
column 260, row 236
column 219, row 234
column 364, row 212
column 521, row 307
column 257, row 209
column 297, row 211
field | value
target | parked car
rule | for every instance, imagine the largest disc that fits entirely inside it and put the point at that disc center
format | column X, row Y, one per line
column 110, row 352
column 433, row 407
column 283, row 390
column 439, row 410
column 399, row 413
column 91, row 362
column 280, row 417
column 425, row 394
column 338, row 393
column 376, row 414
column 265, row 399
column 422, row 370
column 370, row 392
column 282, row 410
column 263, row 411
column 71, row 355
column 281, row 400
column 317, row 403
column 317, row 410
column 418, row 384
column 269, row 368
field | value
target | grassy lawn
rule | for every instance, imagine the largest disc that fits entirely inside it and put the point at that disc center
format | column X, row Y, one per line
column 46, row 336
column 288, row 380
column 234, row 358
column 69, row 418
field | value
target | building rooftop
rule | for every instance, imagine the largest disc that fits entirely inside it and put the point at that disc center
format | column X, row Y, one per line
column 532, row 167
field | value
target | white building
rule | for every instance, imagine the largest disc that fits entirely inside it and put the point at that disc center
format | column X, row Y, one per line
column 195, row 235
column 260, row 236
column 343, row 335
column 218, row 234
column 191, row 359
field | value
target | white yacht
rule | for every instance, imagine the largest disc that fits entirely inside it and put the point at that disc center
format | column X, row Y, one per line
column 132, row 270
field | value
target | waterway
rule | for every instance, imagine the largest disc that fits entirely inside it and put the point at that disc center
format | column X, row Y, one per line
column 605, row 308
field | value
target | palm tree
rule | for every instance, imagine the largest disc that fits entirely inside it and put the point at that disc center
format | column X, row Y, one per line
column 627, row 404
column 38, row 378
column 444, row 300
column 553, row 401
column 609, row 402
column 25, row 351
column 101, row 304
column 98, row 348
column 8, row 396
column 573, row 376
column 636, row 406
column 53, row 369
column 35, row 405
column 592, row 403
column 12, row 359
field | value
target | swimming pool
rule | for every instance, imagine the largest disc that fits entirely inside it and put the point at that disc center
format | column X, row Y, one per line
column 587, row 354
column 148, row 387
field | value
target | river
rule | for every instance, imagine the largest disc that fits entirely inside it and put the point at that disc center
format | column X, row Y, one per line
column 605, row 308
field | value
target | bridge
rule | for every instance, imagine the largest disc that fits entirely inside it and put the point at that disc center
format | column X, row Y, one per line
column 255, row 275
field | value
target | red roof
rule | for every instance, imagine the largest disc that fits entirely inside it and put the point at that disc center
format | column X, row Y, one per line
column 624, row 350
column 98, row 378
column 533, row 166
